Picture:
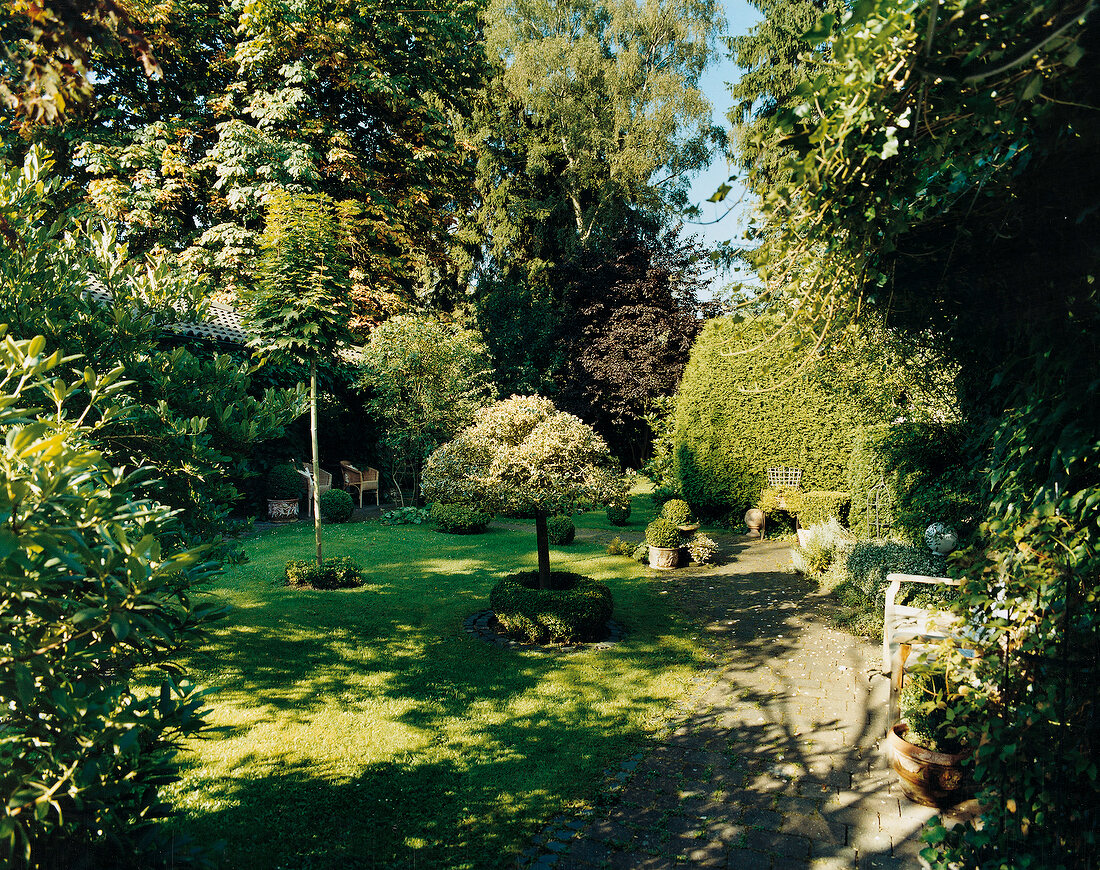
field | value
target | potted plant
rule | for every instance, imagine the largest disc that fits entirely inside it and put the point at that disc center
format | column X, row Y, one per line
column 924, row 751
column 664, row 541
column 285, row 485
column 678, row 512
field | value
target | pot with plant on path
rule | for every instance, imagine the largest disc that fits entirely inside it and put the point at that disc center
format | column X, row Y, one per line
column 285, row 485
column 923, row 749
column 664, row 541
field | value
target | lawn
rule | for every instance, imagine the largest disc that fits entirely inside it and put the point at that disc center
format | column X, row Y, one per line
column 366, row 728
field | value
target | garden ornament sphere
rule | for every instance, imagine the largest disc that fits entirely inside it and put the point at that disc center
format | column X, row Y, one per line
column 940, row 538
column 754, row 519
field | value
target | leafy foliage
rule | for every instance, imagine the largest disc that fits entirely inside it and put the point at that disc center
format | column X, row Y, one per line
column 406, row 516
column 573, row 609
column 88, row 595
column 820, row 546
column 923, row 706
column 342, row 572
column 194, row 414
column 820, row 507
column 428, row 376
column 703, row 550
column 459, row 519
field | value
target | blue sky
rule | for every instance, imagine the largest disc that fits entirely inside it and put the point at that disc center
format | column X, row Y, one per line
column 740, row 16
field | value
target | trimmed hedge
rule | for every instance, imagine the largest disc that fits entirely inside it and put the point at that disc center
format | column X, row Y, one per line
column 736, row 417
column 818, row 507
column 336, row 506
column 460, row 519
column 574, row 610
column 339, row 573
column 560, row 529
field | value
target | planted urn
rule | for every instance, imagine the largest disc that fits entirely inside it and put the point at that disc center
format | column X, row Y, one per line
column 664, row 540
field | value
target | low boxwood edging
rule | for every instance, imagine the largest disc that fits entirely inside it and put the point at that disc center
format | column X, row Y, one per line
column 575, row 610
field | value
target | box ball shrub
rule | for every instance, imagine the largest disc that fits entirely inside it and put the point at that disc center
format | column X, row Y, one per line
column 678, row 512
column 575, row 609
column 284, row 481
column 336, row 506
column 662, row 533
column 339, row 573
column 460, row 519
column 618, row 514
column 560, row 529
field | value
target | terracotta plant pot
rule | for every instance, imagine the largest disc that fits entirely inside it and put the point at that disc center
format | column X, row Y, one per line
column 282, row 510
column 664, row 557
column 934, row 779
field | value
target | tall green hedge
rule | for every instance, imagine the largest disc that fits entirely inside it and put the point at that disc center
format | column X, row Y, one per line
column 738, row 414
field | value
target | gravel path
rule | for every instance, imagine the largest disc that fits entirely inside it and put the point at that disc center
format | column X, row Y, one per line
column 775, row 761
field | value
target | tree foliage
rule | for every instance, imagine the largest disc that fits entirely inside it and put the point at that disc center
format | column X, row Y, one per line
column 89, row 592
column 593, row 110
column 194, row 414
column 522, row 455
column 428, row 377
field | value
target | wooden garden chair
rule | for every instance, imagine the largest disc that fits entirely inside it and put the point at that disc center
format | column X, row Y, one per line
column 904, row 627
column 361, row 481
column 325, row 483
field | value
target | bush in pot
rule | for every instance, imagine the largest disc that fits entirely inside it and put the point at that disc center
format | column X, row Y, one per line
column 664, row 541
column 284, row 486
column 678, row 512
column 924, row 747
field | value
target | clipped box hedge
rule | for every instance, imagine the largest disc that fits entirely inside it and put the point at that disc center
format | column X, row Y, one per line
column 738, row 414
column 460, row 519
column 575, row 610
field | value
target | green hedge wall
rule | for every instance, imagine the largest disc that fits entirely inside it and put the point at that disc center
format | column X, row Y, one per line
column 736, row 417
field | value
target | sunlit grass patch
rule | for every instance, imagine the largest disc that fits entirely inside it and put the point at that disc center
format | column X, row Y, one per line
column 365, row 727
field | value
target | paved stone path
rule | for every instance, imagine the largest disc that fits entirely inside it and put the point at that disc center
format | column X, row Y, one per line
column 775, row 761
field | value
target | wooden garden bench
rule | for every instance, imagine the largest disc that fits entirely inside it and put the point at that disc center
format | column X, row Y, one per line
column 904, row 627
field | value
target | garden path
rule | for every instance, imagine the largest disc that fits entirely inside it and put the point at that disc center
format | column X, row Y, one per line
column 775, row 760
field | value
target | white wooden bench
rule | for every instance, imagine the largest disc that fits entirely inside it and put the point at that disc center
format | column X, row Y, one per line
column 904, row 627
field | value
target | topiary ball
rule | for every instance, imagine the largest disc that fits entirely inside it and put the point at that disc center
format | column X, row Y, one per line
column 575, row 609
column 678, row 512
column 336, row 506
column 618, row 514
column 284, row 481
column 662, row 533
column 560, row 529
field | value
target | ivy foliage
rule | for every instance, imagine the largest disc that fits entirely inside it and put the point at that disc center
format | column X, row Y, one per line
column 91, row 598
column 732, row 422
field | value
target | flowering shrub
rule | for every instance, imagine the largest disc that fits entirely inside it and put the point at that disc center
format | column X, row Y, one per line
column 618, row 513
column 822, row 545
column 702, row 549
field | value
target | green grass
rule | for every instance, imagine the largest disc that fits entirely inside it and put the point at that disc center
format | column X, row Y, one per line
column 365, row 728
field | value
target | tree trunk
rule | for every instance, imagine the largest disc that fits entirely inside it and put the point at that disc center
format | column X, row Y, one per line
column 316, row 457
column 542, row 538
